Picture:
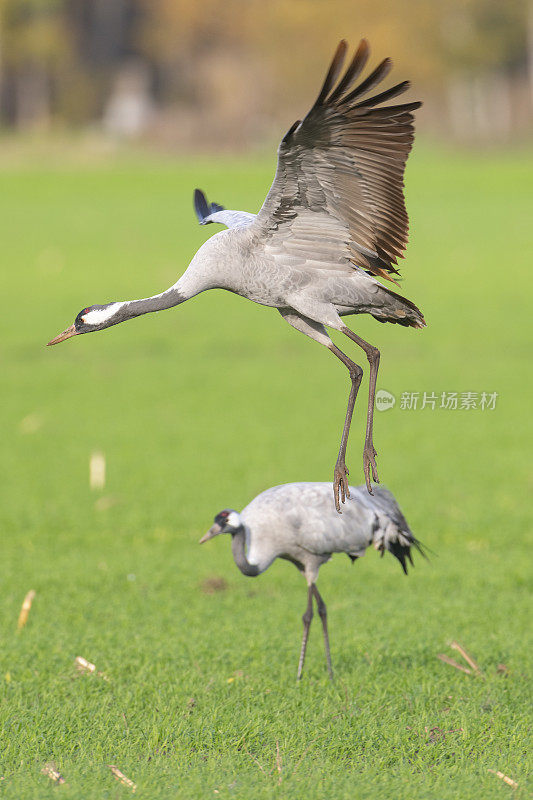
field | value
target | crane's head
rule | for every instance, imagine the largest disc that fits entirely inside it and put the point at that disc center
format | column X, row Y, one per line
column 228, row 521
column 92, row 318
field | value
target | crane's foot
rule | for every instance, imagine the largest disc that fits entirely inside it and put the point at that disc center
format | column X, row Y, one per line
column 369, row 463
column 340, row 484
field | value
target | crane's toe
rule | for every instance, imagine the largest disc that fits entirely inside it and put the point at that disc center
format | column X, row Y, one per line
column 369, row 463
column 340, row 484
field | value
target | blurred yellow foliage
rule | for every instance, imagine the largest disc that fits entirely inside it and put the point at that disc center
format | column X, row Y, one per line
column 247, row 63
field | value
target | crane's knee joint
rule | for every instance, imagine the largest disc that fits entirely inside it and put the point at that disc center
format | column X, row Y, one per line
column 308, row 616
column 356, row 373
column 373, row 354
column 321, row 608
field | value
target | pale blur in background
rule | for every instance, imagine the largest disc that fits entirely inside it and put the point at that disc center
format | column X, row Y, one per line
column 179, row 74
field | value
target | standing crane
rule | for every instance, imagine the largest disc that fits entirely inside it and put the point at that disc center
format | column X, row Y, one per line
column 333, row 221
column 299, row 522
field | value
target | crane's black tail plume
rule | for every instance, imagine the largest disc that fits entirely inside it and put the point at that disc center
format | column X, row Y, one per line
column 392, row 531
column 400, row 547
column 203, row 208
column 398, row 309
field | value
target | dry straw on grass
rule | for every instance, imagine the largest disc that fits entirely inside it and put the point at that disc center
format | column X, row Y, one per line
column 452, row 663
column 467, row 657
column 121, row 777
column 473, row 667
column 87, row 668
column 504, row 778
column 51, row 771
column 25, row 610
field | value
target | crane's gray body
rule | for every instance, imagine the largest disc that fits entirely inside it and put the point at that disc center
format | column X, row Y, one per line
column 299, row 522
column 320, row 290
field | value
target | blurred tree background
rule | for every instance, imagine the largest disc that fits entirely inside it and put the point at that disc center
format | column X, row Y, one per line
column 221, row 75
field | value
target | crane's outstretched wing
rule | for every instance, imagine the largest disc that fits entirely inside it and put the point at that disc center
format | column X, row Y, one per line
column 338, row 189
column 213, row 212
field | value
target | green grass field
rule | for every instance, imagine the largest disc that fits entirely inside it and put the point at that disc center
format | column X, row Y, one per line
column 201, row 408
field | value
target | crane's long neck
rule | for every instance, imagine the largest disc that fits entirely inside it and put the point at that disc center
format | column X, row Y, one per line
column 177, row 294
column 238, row 549
column 202, row 273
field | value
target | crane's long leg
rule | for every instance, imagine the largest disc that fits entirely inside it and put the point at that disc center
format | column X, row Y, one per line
column 340, row 474
column 317, row 332
column 321, row 608
column 369, row 452
column 306, row 619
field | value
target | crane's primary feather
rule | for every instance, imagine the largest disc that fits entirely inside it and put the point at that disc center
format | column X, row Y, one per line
column 340, row 172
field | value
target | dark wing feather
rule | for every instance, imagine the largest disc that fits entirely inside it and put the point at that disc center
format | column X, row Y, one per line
column 345, row 163
column 354, row 70
column 203, row 208
column 214, row 212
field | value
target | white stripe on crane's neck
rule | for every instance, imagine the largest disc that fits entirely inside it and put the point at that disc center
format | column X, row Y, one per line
column 234, row 520
column 101, row 315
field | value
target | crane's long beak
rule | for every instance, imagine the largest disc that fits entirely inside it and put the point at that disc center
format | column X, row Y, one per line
column 62, row 336
column 214, row 530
